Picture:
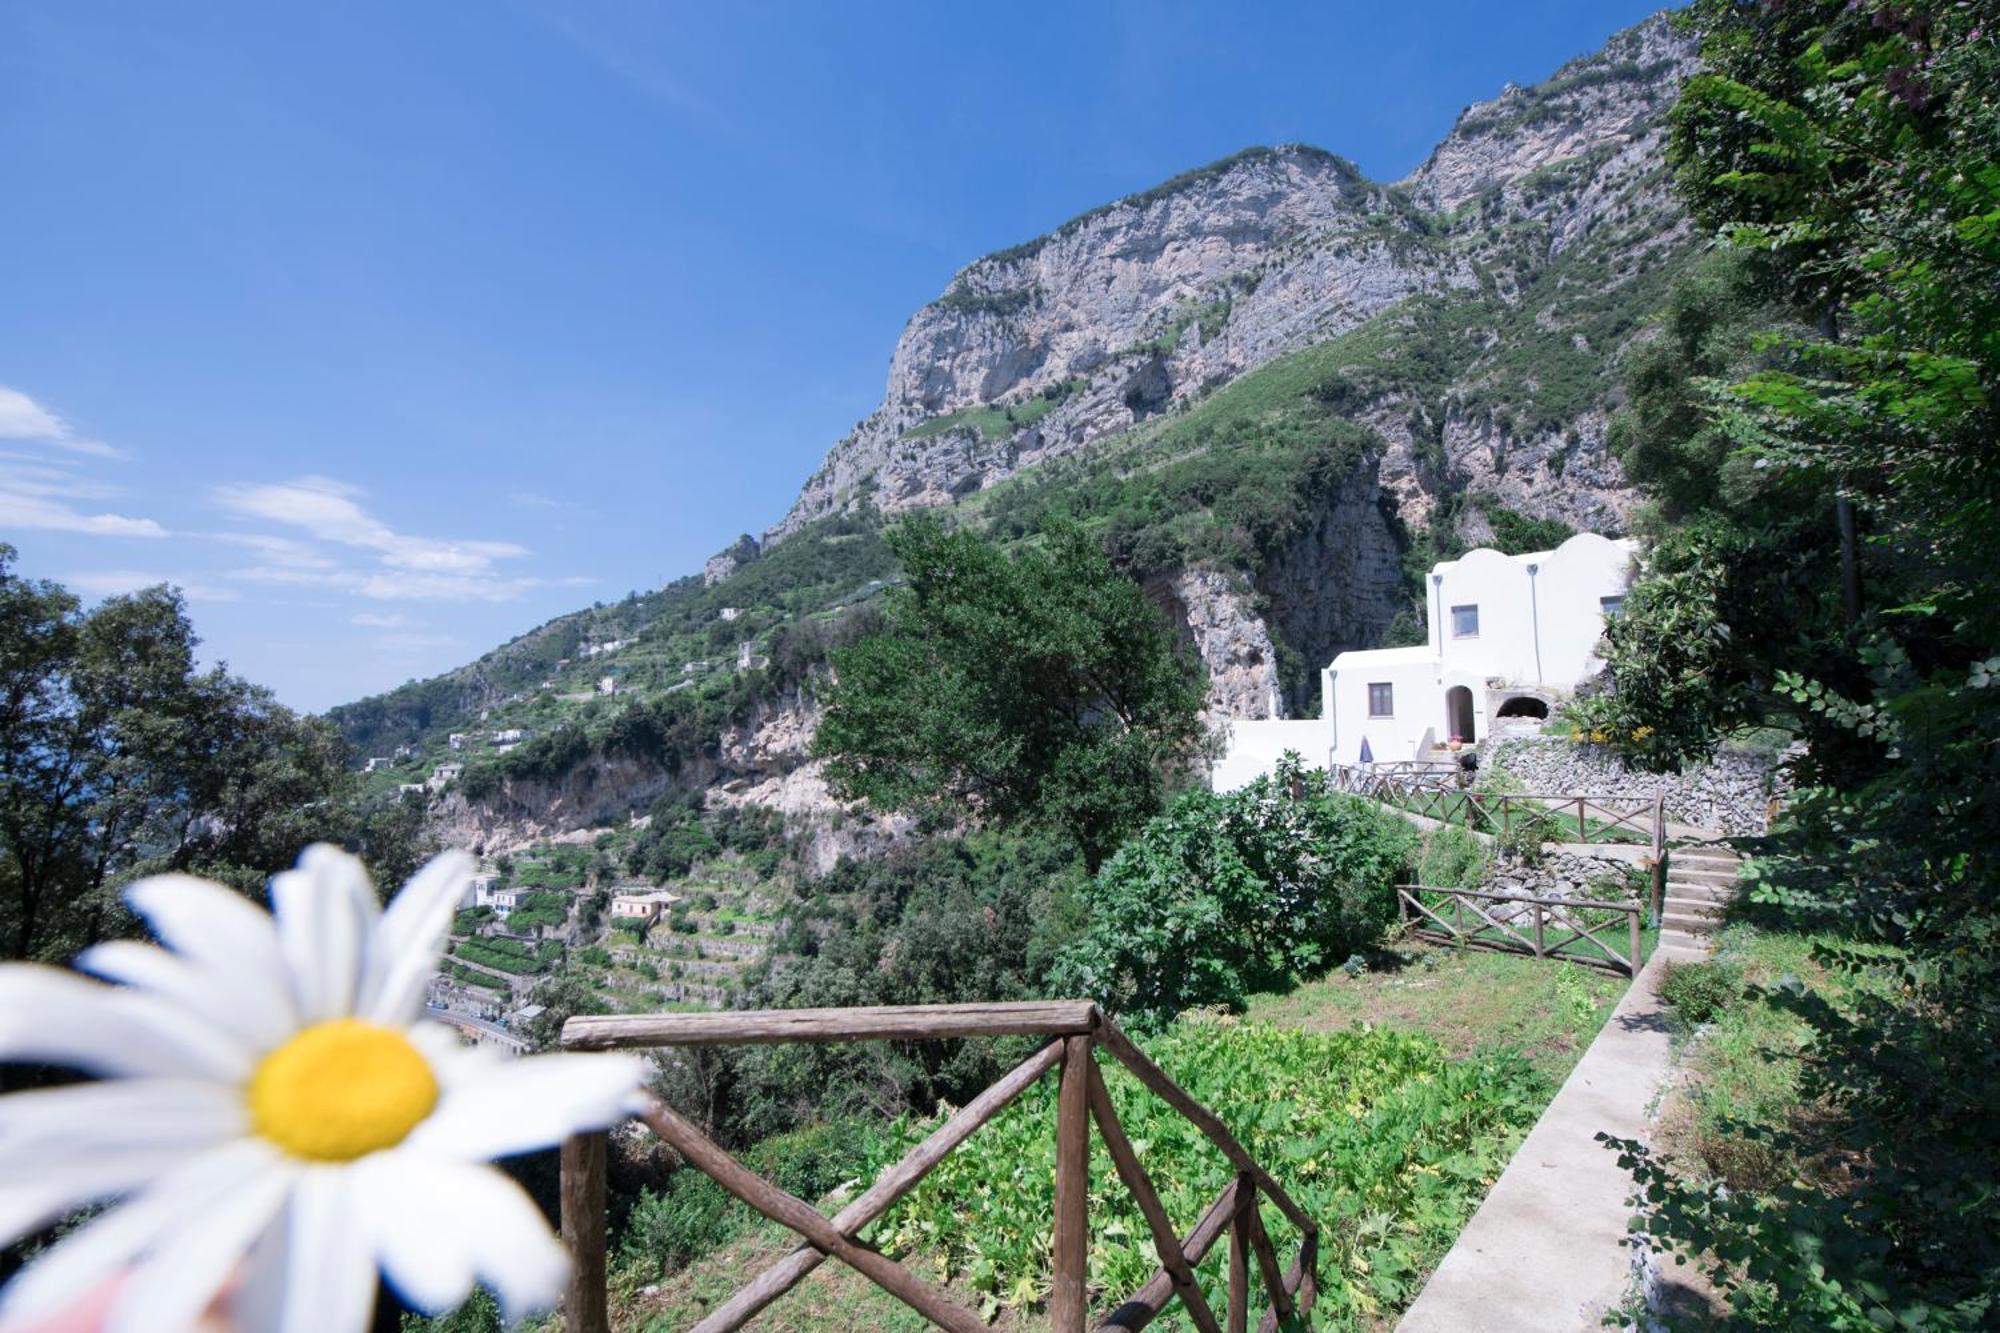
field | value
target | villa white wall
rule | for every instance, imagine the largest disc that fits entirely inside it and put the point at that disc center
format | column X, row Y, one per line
column 1253, row 749
column 1499, row 586
column 1413, row 675
column 1575, row 579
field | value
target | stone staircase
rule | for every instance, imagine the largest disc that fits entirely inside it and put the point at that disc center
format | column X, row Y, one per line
column 1700, row 883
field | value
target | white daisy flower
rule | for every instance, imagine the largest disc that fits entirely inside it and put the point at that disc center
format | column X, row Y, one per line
column 279, row 1117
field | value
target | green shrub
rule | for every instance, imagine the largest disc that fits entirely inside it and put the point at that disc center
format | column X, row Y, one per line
column 691, row 1215
column 1453, row 859
column 1224, row 895
column 1697, row 993
column 1526, row 839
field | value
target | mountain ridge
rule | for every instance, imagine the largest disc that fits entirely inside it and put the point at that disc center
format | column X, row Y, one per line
column 1276, row 388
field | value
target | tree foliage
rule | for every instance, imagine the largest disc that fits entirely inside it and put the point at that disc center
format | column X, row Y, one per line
column 1041, row 687
column 1225, row 895
column 1847, row 154
column 119, row 757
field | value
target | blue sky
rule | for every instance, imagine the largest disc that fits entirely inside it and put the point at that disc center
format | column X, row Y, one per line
column 389, row 331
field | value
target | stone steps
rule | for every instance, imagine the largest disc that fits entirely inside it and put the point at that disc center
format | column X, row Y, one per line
column 1701, row 881
column 1691, row 874
column 1701, row 893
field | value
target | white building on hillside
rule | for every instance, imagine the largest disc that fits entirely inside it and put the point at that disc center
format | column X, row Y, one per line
column 641, row 906
column 1509, row 636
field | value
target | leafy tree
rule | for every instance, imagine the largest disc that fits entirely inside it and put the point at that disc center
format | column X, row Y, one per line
column 1832, row 574
column 1224, row 895
column 119, row 758
column 1039, row 687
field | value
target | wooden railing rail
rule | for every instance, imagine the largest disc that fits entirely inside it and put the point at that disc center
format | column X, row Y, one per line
column 1077, row 1029
column 1592, row 819
column 1493, row 931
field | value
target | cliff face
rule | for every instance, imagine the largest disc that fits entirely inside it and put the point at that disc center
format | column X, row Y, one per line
column 1138, row 308
column 1264, row 380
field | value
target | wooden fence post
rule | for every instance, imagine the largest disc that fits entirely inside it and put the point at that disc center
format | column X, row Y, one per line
column 1239, row 1257
column 1633, row 918
column 1582, row 826
column 1541, row 915
column 583, row 1204
column 1068, row 1303
column 1659, row 855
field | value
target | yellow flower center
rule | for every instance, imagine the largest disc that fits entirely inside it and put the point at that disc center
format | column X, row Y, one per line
column 341, row 1090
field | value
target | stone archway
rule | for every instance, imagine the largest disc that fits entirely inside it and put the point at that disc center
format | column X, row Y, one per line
column 1458, row 719
column 1524, row 705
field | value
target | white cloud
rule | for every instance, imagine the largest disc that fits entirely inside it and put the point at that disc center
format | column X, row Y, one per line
column 283, row 552
column 117, row 582
column 22, row 418
column 375, row 620
column 18, row 510
column 35, row 487
column 327, row 509
column 25, row 474
column 545, row 503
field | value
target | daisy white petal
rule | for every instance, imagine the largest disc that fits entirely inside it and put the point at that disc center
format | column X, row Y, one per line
column 409, row 940
column 228, row 999
column 518, row 1105
column 61, row 1276
column 214, row 927
column 438, row 1225
column 188, row 1269
column 326, row 912
column 61, row 1148
column 31, row 1201
column 313, row 1271
column 57, row 1017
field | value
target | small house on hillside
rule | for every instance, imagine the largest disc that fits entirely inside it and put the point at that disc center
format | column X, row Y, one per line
column 639, row 908
column 1508, row 636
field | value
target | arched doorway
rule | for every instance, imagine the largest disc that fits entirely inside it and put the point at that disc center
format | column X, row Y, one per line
column 1458, row 714
column 1524, row 705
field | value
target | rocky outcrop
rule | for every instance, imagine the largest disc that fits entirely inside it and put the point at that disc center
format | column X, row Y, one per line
column 1336, row 586
column 1614, row 96
column 1229, row 639
column 724, row 563
column 1137, row 308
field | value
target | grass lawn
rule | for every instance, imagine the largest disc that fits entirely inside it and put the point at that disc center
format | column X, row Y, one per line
column 1468, row 998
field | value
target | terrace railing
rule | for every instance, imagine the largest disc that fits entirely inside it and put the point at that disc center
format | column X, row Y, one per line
column 1630, row 820
column 1526, row 923
column 1075, row 1029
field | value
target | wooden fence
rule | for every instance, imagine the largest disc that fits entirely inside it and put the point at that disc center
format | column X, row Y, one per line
column 1417, row 788
column 1076, row 1028
column 1498, row 928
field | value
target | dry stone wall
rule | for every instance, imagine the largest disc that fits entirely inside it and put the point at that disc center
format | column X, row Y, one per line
column 1731, row 794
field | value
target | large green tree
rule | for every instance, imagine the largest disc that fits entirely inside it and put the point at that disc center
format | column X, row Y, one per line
column 1833, row 491
column 120, row 757
column 1037, row 687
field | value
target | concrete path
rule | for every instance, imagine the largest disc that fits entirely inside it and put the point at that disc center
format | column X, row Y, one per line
column 1546, row 1252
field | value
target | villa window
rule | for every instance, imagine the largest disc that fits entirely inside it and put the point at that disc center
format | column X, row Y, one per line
column 1465, row 622
column 1613, row 607
column 1382, row 700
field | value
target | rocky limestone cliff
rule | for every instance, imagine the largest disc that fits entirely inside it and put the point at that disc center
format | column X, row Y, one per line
column 1469, row 320
column 1229, row 639
column 1133, row 310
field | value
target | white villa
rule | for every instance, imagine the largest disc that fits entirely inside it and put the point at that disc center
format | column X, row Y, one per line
column 1509, row 636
